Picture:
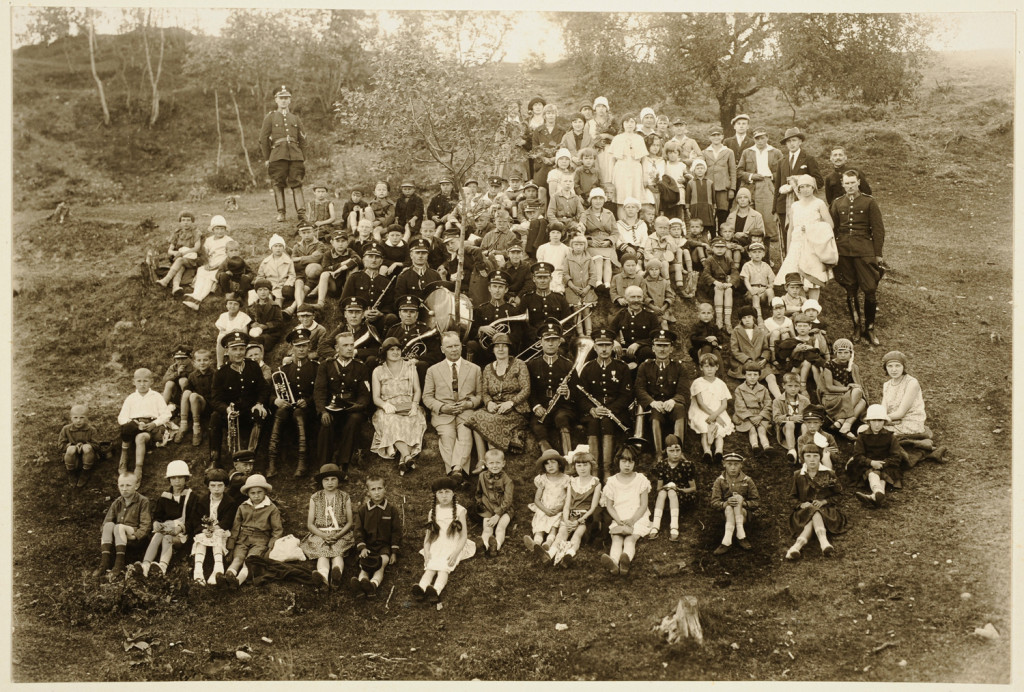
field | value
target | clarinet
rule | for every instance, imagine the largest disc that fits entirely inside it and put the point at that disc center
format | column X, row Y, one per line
column 595, row 402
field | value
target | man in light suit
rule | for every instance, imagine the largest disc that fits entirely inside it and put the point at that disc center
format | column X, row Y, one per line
column 755, row 171
column 450, row 389
column 794, row 162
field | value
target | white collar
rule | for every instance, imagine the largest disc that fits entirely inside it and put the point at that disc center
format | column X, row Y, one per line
column 266, row 503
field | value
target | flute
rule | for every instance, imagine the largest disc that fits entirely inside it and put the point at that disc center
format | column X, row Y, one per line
column 595, row 402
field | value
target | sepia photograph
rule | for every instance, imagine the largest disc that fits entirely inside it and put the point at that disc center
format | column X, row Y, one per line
column 511, row 345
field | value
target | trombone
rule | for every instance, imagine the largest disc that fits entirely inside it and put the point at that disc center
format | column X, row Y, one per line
column 535, row 349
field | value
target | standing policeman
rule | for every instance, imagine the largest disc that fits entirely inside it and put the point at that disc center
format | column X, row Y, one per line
column 282, row 141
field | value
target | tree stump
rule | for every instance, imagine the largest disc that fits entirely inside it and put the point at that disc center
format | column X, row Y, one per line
column 684, row 623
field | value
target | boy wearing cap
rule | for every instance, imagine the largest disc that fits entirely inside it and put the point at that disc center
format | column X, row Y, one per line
column 409, row 209
column 497, row 241
column 689, row 149
column 734, row 493
column 174, row 521
column 372, row 288
column 239, row 382
column 565, row 208
column 256, row 528
column 520, row 278
column 235, row 274
column 307, row 315
column 267, row 318
column 320, row 213
column 633, row 325
column 215, row 251
column 610, row 382
column 794, row 296
column 394, row 251
column 752, row 408
column 242, row 463
column 814, row 417
column 353, row 211
column 758, row 277
column 661, row 388
column 739, row 142
column 877, row 457
column 553, row 383
column 443, row 203
column 254, row 352
column 142, row 418
column 279, row 270
column 282, row 141
column 722, row 170
column 182, row 251
column 300, row 373
column 717, row 280
column 541, row 303
column 216, row 513
column 176, row 380
column 337, row 261
column 307, row 256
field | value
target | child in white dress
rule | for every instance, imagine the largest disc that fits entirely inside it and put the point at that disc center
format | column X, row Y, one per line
column 709, row 399
column 625, row 497
column 445, row 542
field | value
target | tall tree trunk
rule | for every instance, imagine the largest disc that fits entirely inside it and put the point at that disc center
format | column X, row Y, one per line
column 241, row 134
column 154, row 80
column 216, row 110
column 95, row 75
column 726, row 110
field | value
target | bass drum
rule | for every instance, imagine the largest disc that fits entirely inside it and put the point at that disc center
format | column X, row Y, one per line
column 441, row 311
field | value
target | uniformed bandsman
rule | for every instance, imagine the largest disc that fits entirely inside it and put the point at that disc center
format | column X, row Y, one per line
column 342, row 395
column 367, row 339
column 376, row 291
column 541, row 304
column 487, row 314
column 661, row 388
column 632, row 326
column 610, row 382
column 282, row 142
column 240, row 382
column 409, row 327
column 301, row 378
column 547, row 374
column 418, row 279
column 520, row 278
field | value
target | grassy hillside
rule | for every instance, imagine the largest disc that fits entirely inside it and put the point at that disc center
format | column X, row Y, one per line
column 84, row 321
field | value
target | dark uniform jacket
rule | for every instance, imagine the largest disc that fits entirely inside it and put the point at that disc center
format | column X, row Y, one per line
column 545, row 378
column 656, row 383
column 301, row 379
column 364, row 349
column 350, row 382
column 411, row 283
column 542, row 307
column 244, row 389
column 487, row 313
column 858, row 226
column 281, row 137
column 369, row 289
column 377, row 528
column 404, row 334
column 440, row 206
column 834, row 184
column 635, row 329
column 612, row 385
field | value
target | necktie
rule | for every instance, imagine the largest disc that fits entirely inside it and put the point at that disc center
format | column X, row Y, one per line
column 455, row 380
column 792, row 162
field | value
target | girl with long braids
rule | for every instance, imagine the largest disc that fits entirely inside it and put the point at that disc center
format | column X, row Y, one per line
column 445, row 542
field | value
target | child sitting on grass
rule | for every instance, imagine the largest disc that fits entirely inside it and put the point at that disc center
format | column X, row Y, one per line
column 182, row 251
column 548, row 503
column 126, row 523
column 788, row 412
column 794, row 296
column 629, row 276
column 77, row 440
column 494, row 501
column 378, row 533
column 625, row 497
column 816, row 492
column 706, row 337
column 142, row 418
column 267, row 320
column 176, row 382
column 675, row 477
column 217, row 514
column 174, row 520
column 329, row 521
column 235, row 274
column 445, row 542
column 709, row 398
column 256, row 528
column 752, row 408
column 216, row 252
column 197, row 393
column 877, row 457
column 279, row 270
column 716, row 283
column 735, row 493
column 814, row 417
column 582, row 501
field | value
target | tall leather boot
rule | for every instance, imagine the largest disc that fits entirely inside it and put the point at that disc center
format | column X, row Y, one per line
column 275, row 438
column 595, row 445
column 607, row 452
column 299, row 200
column 279, row 203
column 853, row 306
column 300, row 423
column 870, row 308
column 566, row 440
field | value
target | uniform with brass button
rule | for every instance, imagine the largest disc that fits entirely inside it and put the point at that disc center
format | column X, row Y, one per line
column 282, row 141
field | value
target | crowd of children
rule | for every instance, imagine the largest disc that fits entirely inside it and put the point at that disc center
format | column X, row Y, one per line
column 601, row 246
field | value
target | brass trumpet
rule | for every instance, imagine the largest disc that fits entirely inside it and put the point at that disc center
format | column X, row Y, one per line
column 501, row 325
column 282, row 387
column 234, row 441
column 416, row 346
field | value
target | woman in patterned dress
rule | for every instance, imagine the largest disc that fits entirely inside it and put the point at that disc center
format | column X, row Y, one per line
column 399, row 422
column 501, row 421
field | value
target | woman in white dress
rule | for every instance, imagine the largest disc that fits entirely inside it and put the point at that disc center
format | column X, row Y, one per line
column 811, row 248
column 625, row 497
column 628, row 150
column 904, row 402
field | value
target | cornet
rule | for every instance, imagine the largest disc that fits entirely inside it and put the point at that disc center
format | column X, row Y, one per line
column 234, row 442
column 282, row 387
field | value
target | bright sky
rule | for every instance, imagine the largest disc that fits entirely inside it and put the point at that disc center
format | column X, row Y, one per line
column 964, row 30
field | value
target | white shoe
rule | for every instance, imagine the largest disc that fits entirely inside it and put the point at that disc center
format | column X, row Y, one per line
column 191, row 303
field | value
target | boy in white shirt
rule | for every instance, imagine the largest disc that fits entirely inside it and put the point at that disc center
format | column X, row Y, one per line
column 142, row 420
